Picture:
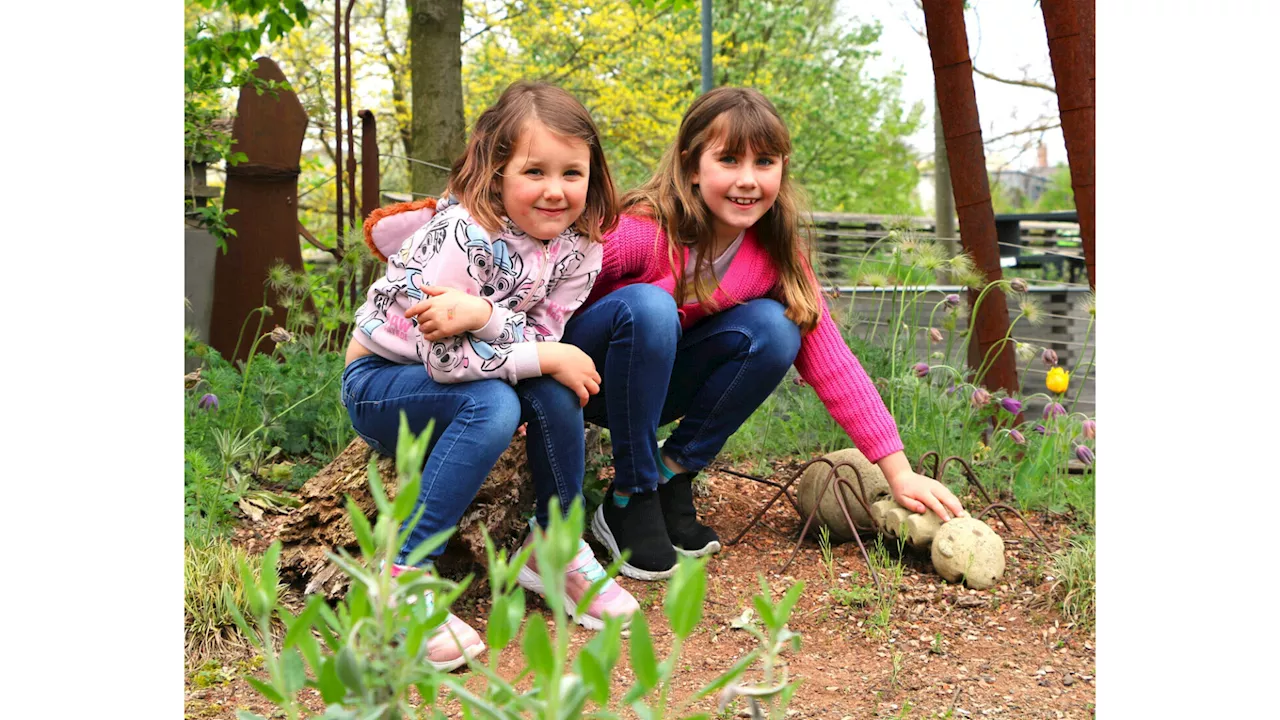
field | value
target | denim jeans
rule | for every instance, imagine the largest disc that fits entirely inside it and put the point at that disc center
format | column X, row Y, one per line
column 713, row 375
column 474, row 423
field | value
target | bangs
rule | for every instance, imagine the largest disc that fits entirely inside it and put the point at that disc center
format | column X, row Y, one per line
column 745, row 126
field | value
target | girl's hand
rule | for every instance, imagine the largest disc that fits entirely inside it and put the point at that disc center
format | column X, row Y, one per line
column 916, row 492
column 571, row 367
column 448, row 311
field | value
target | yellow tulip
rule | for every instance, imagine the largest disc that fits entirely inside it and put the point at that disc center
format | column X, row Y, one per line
column 1057, row 380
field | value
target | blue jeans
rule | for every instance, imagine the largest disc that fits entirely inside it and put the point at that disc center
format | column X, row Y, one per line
column 474, row 425
column 714, row 375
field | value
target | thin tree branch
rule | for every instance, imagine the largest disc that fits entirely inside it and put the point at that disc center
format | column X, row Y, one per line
column 1021, row 83
column 1023, row 131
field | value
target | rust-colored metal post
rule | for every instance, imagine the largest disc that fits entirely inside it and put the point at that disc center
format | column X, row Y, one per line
column 351, row 133
column 1069, row 58
column 264, row 192
column 958, row 105
column 337, row 117
column 370, row 183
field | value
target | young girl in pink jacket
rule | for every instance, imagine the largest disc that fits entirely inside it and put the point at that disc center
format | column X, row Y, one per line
column 465, row 328
column 705, row 298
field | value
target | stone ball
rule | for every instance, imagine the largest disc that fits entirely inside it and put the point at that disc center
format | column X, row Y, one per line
column 966, row 548
column 829, row 513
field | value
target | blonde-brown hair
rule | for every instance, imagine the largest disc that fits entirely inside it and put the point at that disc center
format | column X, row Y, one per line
column 476, row 180
column 739, row 118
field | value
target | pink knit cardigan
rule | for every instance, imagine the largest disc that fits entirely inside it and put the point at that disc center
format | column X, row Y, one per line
column 636, row 252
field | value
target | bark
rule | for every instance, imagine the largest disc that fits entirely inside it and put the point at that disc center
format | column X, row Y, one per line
column 322, row 525
column 958, row 105
column 1075, row 107
column 435, row 70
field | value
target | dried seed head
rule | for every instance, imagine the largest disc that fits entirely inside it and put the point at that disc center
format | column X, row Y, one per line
column 1024, row 351
column 1049, row 357
column 1018, row 285
column 1088, row 305
column 280, row 336
column 1031, row 310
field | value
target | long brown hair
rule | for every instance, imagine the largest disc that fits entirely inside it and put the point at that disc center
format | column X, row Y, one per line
column 739, row 118
column 476, row 181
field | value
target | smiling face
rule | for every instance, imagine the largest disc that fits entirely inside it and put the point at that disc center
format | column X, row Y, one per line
column 544, row 183
column 738, row 188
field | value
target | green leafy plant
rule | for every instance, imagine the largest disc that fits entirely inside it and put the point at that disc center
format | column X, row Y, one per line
column 365, row 655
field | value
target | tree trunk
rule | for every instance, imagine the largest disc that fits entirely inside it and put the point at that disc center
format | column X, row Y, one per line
column 958, row 105
column 944, row 205
column 321, row 525
column 1071, row 55
column 435, row 70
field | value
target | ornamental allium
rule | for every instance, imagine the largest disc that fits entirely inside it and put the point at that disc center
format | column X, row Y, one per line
column 980, row 397
column 952, row 300
column 1017, row 437
column 1012, row 405
column 1053, row 410
column 922, row 370
column 1049, row 357
column 1084, row 454
column 935, row 334
column 208, row 401
column 1090, row 429
column 1018, row 285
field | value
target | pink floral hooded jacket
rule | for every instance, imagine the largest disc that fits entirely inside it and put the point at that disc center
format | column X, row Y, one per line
column 532, row 285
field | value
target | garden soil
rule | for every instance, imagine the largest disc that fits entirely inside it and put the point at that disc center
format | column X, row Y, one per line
column 948, row 651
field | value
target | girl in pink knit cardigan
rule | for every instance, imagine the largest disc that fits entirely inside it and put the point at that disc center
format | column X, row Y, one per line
column 706, row 297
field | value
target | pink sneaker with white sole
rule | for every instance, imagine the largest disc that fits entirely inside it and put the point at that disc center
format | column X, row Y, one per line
column 454, row 642
column 583, row 570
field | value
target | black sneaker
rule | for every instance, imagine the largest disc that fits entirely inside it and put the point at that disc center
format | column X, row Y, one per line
column 638, row 527
column 689, row 536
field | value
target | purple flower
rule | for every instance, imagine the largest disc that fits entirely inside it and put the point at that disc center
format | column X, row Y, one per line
column 208, row 401
column 1053, row 410
column 922, row 370
column 1090, row 429
column 935, row 334
column 951, row 389
column 1041, row 429
column 1084, row 454
column 1012, row 405
column 1017, row 437
column 1049, row 357
column 980, row 397
column 952, row 300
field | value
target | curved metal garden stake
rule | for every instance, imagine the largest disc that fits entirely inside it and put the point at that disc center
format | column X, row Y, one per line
column 763, row 481
column 973, row 480
column 832, row 472
column 993, row 506
column 937, row 457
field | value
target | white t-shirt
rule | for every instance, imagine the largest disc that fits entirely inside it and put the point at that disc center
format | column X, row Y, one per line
column 720, row 265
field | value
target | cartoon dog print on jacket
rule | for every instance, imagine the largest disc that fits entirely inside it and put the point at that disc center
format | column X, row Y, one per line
column 492, row 265
column 421, row 255
column 446, row 355
column 376, row 316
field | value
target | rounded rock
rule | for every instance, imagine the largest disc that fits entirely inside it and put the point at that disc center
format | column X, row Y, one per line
column 966, row 548
column 829, row 514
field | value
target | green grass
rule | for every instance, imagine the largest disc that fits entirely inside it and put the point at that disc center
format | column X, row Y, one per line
column 1074, row 581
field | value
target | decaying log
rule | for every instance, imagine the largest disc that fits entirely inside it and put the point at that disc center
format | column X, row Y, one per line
column 321, row 524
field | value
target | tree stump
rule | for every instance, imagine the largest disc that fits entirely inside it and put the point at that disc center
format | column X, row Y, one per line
column 321, row 524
